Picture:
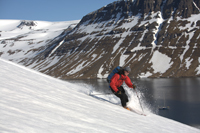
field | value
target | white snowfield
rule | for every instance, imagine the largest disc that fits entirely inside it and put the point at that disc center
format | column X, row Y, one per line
column 31, row 102
column 22, row 39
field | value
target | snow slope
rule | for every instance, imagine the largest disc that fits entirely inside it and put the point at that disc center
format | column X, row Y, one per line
column 31, row 102
column 40, row 29
column 22, row 39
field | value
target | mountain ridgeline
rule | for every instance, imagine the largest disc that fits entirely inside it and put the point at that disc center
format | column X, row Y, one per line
column 156, row 38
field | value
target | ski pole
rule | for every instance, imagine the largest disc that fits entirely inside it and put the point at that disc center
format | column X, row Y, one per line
column 102, row 94
column 139, row 101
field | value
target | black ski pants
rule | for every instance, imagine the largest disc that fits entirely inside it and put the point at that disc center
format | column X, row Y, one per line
column 123, row 97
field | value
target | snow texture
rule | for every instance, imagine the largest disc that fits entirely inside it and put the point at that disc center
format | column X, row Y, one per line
column 29, row 37
column 161, row 62
column 31, row 102
column 39, row 35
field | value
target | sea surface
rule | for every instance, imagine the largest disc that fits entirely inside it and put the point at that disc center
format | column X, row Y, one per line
column 179, row 96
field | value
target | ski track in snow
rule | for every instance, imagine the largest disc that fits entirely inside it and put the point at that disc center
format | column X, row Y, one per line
column 31, row 102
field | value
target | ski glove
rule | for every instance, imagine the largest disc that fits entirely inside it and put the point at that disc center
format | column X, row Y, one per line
column 134, row 86
column 118, row 92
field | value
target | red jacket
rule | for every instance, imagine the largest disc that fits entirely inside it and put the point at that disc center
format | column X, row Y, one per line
column 117, row 81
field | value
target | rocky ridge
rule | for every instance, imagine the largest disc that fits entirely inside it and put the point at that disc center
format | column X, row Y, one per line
column 156, row 38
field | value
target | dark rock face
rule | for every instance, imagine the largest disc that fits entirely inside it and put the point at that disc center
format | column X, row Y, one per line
column 156, row 38
column 26, row 23
column 183, row 8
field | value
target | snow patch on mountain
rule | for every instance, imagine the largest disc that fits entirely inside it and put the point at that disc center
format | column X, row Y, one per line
column 196, row 6
column 161, row 62
column 198, row 68
column 99, row 75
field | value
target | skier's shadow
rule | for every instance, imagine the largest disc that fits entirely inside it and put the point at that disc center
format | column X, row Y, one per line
column 102, row 99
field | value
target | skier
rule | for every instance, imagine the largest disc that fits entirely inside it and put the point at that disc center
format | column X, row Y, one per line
column 116, row 85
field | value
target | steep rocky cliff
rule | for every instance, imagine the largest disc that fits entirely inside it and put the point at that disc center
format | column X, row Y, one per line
column 156, row 38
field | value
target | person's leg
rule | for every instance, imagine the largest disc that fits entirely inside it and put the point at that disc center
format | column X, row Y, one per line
column 123, row 97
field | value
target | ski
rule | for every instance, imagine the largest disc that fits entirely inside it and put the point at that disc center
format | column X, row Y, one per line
column 137, row 112
column 105, row 100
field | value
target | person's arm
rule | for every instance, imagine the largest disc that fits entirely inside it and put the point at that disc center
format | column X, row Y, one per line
column 129, row 83
column 113, row 82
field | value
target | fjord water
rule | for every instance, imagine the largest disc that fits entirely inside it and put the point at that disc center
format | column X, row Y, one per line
column 180, row 95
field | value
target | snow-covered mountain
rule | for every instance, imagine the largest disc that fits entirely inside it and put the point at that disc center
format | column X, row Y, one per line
column 37, row 103
column 156, row 38
column 24, row 39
